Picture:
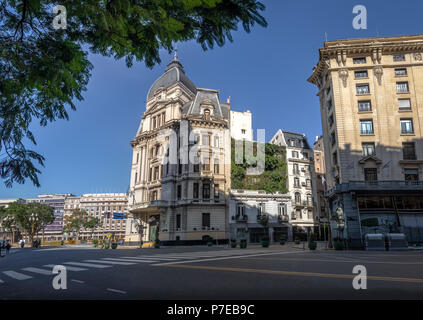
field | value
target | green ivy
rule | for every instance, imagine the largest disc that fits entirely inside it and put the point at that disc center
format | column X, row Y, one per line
column 274, row 177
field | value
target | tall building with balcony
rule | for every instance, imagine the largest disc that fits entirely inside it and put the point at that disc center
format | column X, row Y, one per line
column 180, row 174
column 320, row 174
column 371, row 97
column 54, row 230
column 300, row 170
column 110, row 208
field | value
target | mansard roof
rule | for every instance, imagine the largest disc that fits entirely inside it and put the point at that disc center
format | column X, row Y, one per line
column 174, row 73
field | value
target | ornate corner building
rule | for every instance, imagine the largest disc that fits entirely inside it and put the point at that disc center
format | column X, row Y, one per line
column 371, row 97
column 180, row 174
column 301, row 180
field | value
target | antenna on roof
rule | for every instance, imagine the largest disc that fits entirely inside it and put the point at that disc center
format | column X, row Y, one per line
column 175, row 53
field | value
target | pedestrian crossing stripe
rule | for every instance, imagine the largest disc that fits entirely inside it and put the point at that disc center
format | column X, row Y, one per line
column 68, row 268
column 16, row 275
column 130, row 260
column 111, row 262
column 37, row 270
column 88, row 265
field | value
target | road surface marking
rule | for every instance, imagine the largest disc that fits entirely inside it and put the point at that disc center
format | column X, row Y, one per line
column 341, row 261
column 303, row 274
column 38, row 270
column 67, row 267
column 78, row 281
column 111, row 262
column 225, row 258
column 89, row 265
column 150, row 258
column 16, row 275
column 128, row 260
column 115, row 290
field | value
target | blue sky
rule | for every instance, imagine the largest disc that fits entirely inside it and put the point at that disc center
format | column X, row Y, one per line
column 264, row 71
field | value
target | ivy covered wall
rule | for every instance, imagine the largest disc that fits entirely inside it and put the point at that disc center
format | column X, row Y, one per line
column 273, row 179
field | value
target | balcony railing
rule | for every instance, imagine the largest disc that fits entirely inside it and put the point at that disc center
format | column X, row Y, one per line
column 377, row 185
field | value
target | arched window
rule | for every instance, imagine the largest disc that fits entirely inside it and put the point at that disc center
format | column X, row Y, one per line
column 206, row 114
column 297, row 197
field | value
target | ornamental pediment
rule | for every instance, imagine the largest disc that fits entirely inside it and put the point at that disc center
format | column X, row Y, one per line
column 370, row 158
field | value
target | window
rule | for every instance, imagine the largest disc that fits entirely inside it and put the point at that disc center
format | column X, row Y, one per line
column 196, row 164
column 205, row 164
column 297, row 197
column 295, row 154
column 216, row 141
column 206, row 140
column 138, row 157
column 361, row 60
column 206, row 191
column 400, row 72
column 136, row 177
column 308, row 183
column 368, row 149
column 216, row 166
column 281, row 209
column 206, row 114
column 196, row 138
column 402, row 87
column 296, row 169
column 411, row 174
column 205, row 223
column 361, row 74
column 240, row 209
column 154, row 122
column 404, row 104
column 178, row 221
column 243, row 131
column 366, row 126
column 335, row 158
column 179, row 192
column 407, row 126
column 399, row 57
column 330, row 120
column 260, row 208
column 333, row 138
column 156, row 173
column 370, row 174
column 296, row 182
column 195, row 191
column 409, row 151
column 216, row 191
column 363, row 89
column 364, row 106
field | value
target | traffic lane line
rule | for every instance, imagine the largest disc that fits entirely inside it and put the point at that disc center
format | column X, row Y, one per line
column 77, row 281
column 225, row 258
column 116, row 290
column 296, row 273
column 338, row 261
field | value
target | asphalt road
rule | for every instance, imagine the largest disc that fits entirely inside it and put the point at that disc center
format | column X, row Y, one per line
column 210, row 273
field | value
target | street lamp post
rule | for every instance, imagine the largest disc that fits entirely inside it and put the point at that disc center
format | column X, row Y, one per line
column 33, row 219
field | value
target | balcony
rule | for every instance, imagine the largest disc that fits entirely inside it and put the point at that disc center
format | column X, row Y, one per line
column 283, row 218
column 397, row 185
column 241, row 218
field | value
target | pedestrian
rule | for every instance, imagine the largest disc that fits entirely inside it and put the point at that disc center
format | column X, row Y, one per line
column 8, row 246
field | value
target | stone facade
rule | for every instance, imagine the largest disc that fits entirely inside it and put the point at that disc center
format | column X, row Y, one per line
column 371, row 93
column 301, row 185
column 101, row 206
column 241, row 125
column 180, row 174
column 245, row 209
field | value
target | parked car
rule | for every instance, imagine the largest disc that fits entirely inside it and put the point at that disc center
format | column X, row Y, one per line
column 374, row 242
column 396, row 241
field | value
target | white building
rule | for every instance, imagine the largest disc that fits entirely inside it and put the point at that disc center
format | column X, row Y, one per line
column 246, row 207
column 180, row 172
column 241, row 125
column 110, row 208
column 300, row 167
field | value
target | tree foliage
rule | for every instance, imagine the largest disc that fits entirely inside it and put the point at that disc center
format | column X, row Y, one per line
column 78, row 220
column 273, row 178
column 44, row 71
column 21, row 217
